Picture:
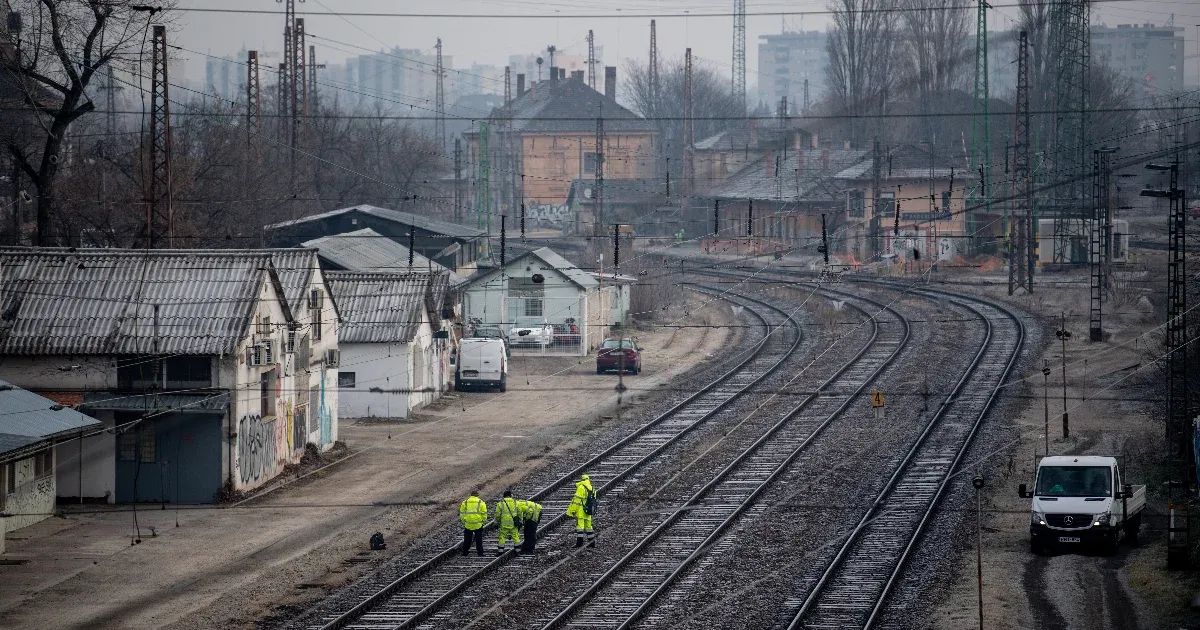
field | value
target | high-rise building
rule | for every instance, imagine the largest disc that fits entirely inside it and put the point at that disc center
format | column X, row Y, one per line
column 224, row 76
column 399, row 78
column 785, row 61
column 1150, row 56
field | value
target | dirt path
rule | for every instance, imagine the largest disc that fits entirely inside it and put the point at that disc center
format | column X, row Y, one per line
column 1110, row 414
column 223, row 568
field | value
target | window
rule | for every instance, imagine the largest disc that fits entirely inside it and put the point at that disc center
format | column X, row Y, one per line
column 316, row 324
column 10, row 477
column 264, row 325
column 887, row 204
column 945, row 201
column 268, row 391
column 346, row 380
column 857, row 204
column 188, row 372
column 316, row 304
column 146, row 443
column 589, row 163
column 43, row 463
column 128, row 445
column 137, row 373
column 533, row 307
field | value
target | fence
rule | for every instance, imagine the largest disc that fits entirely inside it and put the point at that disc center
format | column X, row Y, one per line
column 558, row 326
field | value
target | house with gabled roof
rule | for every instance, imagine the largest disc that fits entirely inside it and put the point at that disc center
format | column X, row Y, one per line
column 395, row 342
column 187, row 356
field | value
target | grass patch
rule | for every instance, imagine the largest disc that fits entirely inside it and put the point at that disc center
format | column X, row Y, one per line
column 1167, row 593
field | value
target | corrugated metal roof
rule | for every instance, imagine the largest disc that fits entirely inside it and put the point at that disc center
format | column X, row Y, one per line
column 101, row 301
column 216, row 402
column 10, row 443
column 23, row 412
column 378, row 307
column 295, row 267
column 368, row 250
column 453, row 230
column 807, row 174
column 901, row 162
column 570, row 106
column 551, row 260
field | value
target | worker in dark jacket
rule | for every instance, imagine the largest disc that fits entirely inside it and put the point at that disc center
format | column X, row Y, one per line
column 531, row 513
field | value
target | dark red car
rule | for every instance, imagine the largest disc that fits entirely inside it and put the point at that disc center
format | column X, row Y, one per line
column 619, row 354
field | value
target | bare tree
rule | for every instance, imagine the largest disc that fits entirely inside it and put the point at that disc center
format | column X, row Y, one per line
column 64, row 44
column 935, row 38
column 861, row 44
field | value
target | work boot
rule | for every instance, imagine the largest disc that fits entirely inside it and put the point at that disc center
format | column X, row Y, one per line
column 578, row 543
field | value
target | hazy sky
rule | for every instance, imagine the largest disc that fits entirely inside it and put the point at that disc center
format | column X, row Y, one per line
column 621, row 26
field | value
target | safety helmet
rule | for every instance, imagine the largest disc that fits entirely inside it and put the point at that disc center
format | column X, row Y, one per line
column 584, row 478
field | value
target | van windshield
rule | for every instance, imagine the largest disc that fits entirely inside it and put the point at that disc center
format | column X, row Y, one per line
column 1074, row 481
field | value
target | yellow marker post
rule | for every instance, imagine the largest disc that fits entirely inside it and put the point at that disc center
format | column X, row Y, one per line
column 877, row 404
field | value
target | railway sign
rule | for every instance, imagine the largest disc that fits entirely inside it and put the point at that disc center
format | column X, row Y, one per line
column 876, row 399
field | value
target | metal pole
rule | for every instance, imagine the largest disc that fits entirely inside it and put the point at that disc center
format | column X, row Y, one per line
column 1046, row 401
column 979, row 545
column 1065, row 415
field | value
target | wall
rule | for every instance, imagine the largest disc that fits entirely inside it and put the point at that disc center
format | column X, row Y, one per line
column 382, row 366
column 32, row 502
column 99, row 464
column 914, row 217
column 485, row 298
column 599, row 307
column 59, row 373
column 552, row 162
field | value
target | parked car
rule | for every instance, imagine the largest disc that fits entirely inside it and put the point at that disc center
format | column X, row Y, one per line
column 531, row 331
column 567, row 334
column 482, row 362
column 1079, row 500
column 619, row 354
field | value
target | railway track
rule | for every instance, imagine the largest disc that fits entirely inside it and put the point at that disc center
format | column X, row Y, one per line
column 854, row 587
column 626, row 590
column 404, row 602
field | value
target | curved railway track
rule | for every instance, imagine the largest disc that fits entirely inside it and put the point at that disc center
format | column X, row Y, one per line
column 404, row 602
column 854, row 587
column 619, row 596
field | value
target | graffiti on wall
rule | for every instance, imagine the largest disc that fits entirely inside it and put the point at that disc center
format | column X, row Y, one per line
column 548, row 215
column 257, row 452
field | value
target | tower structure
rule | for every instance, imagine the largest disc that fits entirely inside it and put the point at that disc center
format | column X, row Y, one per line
column 981, row 136
column 1100, row 226
column 591, row 60
column 298, row 81
column 289, row 19
column 1182, row 473
column 313, row 102
column 253, row 97
column 1071, row 46
column 653, row 70
column 159, row 212
column 1020, row 270
column 458, row 181
column 439, row 131
column 483, row 188
column 689, row 130
column 739, row 53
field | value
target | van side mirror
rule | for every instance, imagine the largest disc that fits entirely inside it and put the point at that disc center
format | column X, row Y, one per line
column 1023, row 490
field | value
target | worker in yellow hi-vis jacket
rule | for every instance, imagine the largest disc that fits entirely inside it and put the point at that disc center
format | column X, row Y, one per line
column 583, row 504
column 473, row 514
column 531, row 514
column 508, row 517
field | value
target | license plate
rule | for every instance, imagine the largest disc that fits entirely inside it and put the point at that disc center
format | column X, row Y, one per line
column 470, row 373
column 1068, row 539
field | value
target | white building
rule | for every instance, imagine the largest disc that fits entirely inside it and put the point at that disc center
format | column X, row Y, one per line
column 540, row 283
column 30, row 427
column 395, row 342
column 211, row 368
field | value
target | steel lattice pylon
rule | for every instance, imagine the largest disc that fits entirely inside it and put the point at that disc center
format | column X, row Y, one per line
column 1179, row 418
column 1071, row 46
column 591, row 60
column 253, row 97
column 1020, row 263
column 981, row 137
column 739, row 52
column 483, row 188
column 439, row 131
column 159, row 211
column 1101, row 225
column 689, row 130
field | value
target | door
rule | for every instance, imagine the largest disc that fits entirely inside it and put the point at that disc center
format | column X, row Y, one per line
column 171, row 459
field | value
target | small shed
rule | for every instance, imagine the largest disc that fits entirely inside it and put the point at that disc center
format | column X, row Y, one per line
column 621, row 289
column 30, row 428
column 542, row 285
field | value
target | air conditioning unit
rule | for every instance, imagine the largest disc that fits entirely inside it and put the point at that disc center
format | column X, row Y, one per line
column 261, row 354
column 333, row 357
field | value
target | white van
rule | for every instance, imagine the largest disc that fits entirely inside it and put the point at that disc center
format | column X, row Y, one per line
column 482, row 362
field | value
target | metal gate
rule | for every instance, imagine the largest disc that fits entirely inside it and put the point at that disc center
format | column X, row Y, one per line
column 558, row 325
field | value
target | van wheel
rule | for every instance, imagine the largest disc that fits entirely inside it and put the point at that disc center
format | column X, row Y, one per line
column 1036, row 548
column 598, row 370
column 457, row 384
column 1133, row 528
column 503, row 383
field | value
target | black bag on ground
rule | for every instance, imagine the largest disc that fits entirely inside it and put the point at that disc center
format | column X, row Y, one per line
column 377, row 543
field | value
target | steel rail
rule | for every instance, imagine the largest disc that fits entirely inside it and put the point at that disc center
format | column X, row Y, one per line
column 637, row 551
column 947, row 405
column 372, row 601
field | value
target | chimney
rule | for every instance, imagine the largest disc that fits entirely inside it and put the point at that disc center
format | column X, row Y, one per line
column 520, row 85
column 577, row 75
column 562, row 73
column 553, row 73
column 610, row 82
column 770, row 161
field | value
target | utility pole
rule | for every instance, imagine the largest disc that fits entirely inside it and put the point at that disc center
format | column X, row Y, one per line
column 598, row 186
column 483, row 201
column 981, row 137
column 1063, row 334
column 458, row 191
column 1101, row 213
column 159, row 211
column 1070, row 46
column 1046, row 403
column 313, row 102
column 689, row 136
column 298, row 84
column 439, row 131
column 253, row 99
column 1020, row 272
column 739, row 53
column 1181, row 463
column 591, row 60
column 289, row 17
column 654, row 104
column 873, row 234
column 807, row 103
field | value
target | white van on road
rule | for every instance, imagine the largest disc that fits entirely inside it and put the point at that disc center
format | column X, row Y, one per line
column 1079, row 500
column 482, row 362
